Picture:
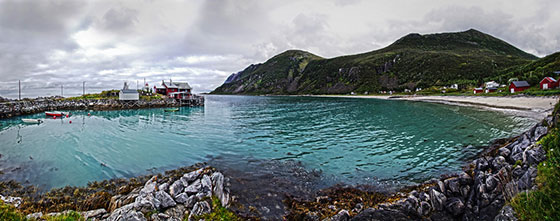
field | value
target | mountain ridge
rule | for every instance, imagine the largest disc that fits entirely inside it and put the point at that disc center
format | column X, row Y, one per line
column 411, row 61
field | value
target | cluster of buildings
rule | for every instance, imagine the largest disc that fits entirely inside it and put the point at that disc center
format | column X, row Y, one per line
column 517, row 86
column 175, row 90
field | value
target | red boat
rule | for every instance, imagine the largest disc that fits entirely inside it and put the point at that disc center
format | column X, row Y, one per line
column 54, row 114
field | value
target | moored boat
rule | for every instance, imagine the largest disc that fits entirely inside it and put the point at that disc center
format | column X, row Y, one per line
column 32, row 121
column 54, row 114
column 171, row 110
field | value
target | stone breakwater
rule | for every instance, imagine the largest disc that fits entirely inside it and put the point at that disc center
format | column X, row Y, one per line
column 33, row 106
column 186, row 197
column 478, row 193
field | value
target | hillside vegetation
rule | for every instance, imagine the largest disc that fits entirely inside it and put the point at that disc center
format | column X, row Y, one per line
column 465, row 58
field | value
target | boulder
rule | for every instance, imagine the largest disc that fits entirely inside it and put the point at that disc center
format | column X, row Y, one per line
column 534, row 156
column 491, row 183
column 218, row 188
column 191, row 201
column 34, row 216
column 191, row 176
column 424, row 209
column 176, row 188
column 165, row 199
column 526, row 181
column 465, row 179
column 539, row 132
column 94, row 214
column 455, row 206
column 176, row 212
column 164, row 187
column 518, row 171
column 206, row 182
column 453, row 185
column 126, row 213
column 194, row 187
column 506, row 214
column 438, row 199
column 14, row 201
column 499, row 162
column 481, row 164
column 181, row 198
column 200, row 208
column 504, row 152
column 146, row 201
column 342, row 215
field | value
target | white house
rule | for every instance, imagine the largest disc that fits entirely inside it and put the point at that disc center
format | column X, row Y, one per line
column 128, row 94
column 491, row 84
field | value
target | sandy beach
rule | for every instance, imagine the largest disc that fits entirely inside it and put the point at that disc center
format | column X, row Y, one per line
column 532, row 107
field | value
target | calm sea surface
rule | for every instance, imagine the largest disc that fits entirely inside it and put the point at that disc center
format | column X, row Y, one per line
column 358, row 141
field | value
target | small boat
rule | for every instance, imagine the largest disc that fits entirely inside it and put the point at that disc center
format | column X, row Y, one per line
column 32, row 121
column 171, row 110
column 54, row 114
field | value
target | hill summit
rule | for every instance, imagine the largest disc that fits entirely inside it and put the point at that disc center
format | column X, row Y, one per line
column 412, row 61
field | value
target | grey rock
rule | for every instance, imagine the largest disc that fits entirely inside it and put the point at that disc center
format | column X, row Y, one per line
column 146, row 201
column 14, row 201
column 181, row 198
column 206, row 182
column 200, row 208
column 34, row 215
column 191, row 201
column 176, row 188
column 164, row 187
column 98, row 213
column 453, row 185
column 126, row 213
column 203, row 194
column 194, row 187
column 441, row 186
column 516, row 157
column 191, row 176
column 518, row 172
column 539, row 132
column 465, row 191
column 526, row 181
column 491, row 183
column 455, row 206
column 165, row 199
column 481, row 164
column 499, row 162
column 484, row 200
column 424, row 209
column 438, row 199
column 424, row 197
column 504, row 152
column 218, row 188
column 506, row 214
column 176, row 212
column 534, row 156
column 465, row 179
column 342, row 215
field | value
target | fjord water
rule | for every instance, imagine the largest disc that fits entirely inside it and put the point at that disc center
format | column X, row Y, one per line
column 358, row 141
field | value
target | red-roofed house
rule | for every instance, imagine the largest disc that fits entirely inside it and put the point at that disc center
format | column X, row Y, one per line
column 549, row 83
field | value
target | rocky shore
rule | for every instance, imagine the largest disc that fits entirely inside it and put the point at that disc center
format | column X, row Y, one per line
column 189, row 196
column 11, row 108
column 478, row 193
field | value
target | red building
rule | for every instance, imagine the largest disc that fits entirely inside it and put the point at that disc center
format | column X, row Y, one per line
column 477, row 90
column 177, row 90
column 517, row 86
column 549, row 83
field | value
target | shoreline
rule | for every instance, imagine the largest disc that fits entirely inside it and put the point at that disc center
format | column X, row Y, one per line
column 536, row 108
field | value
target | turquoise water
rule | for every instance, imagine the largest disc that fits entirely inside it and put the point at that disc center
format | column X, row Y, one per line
column 363, row 141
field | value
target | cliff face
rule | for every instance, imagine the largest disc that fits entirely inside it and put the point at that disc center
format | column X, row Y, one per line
column 413, row 61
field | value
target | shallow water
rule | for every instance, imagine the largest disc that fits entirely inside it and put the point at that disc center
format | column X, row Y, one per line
column 365, row 141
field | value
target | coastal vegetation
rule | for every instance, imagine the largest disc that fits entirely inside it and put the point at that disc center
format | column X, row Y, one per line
column 542, row 204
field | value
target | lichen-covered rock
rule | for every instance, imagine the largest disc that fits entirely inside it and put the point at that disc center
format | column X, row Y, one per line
column 534, row 156
column 539, row 132
column 34, row 216
column 504, row 152
column 176, row 212
column 455, row 206
column 181, row 198
column 200, row 208
column 506, row 214
column 94, row 214
column 146, row 201
column 126, row 213
column 191, row 176
column 165, row 199
column 499, row 162
column 218, row 188
column 194, row 187
column 176, row 188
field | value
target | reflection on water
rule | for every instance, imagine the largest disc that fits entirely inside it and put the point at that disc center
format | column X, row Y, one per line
column 350, row 140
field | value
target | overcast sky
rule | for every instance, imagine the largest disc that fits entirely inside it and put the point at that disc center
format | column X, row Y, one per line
column 46, row 43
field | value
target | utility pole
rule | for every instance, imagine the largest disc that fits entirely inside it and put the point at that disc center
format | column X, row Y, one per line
column 19, row 86
column 61, row 90
column 136, row 84
column 84, row 88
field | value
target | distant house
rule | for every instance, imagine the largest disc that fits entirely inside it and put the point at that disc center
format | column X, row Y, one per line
column 477, row 90
column 127, row 94
column 517, row 86
column 549, row 83
column 490, row 90
column 177, row 90
column 491, row 84
column 454, row 86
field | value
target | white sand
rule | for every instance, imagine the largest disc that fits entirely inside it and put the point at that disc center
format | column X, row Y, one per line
column 532, row 107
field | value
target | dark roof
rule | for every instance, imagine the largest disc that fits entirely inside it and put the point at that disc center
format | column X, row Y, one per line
column 557, row 72
column 521, row 83
column 129, row 91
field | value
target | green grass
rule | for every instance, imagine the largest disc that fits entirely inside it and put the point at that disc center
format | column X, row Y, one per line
column 219, row 213
column 544, row 203
column 71, row 216
column 8, row 212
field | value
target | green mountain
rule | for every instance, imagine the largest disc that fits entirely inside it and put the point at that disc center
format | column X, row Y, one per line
column 415, row 60
column 532, row 72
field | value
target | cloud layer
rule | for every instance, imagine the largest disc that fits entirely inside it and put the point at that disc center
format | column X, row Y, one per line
column 48, row 43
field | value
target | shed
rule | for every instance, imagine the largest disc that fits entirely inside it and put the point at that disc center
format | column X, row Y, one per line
column 548, row 83
column 477, row 90
column 517, row 86
column 490, row 90
column 129, row 95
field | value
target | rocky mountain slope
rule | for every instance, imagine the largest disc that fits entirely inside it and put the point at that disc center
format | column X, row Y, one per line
column 412, row 61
